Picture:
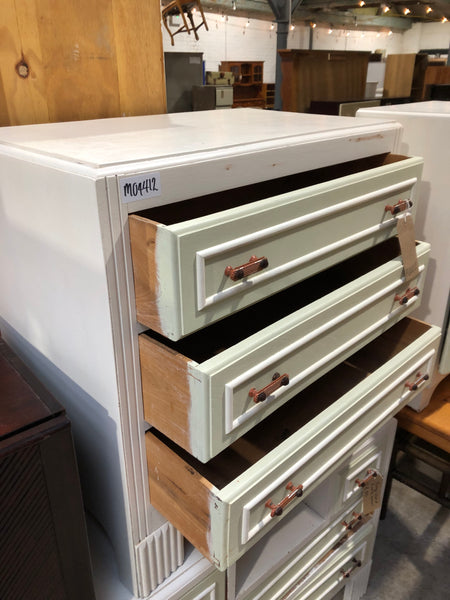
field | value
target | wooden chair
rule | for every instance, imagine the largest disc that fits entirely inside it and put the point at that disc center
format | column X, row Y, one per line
column 424, row 437
column 184, row 8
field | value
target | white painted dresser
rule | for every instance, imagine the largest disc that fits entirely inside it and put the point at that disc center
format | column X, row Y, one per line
column 208, row 274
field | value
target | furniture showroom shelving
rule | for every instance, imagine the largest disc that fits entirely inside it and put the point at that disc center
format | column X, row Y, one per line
column 223, row 308
column 248, row 88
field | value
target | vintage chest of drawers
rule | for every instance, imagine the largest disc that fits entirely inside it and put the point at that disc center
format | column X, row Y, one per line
column 189, row 285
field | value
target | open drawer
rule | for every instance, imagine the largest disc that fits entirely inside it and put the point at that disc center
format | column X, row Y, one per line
column 198, row 261
column 223, row 507
column 205, row 391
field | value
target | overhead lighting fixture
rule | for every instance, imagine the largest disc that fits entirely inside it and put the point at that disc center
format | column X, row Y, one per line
column 386, row 8
column 406, row 11
column 378, row 34
column 429, row 9
column 444, row 20
column 272, row 26
column 233, row 5
column 362, row 3
column 248, row 23
column 363, row 34
column 390, row 33
column 313, row 25
column 330, row 31
column 347, row 34
column 222, row 18
column 292, row 27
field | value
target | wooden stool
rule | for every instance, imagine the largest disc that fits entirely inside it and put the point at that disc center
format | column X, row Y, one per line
column 424, row 436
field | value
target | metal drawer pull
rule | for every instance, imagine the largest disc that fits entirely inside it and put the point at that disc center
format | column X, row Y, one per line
column 277, row 382
column 370, row 475
column 421, row 378
column 254, row 265
column 399, row 207
column 356, row 563
column 356, row 517
column 277, row 509
column 410, row 293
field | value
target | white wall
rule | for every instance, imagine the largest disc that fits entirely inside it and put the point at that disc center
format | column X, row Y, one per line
column 230, row 39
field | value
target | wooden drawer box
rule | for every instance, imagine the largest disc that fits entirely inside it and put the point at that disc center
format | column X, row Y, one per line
column 225, row 506
column 204, row 397
column 198, row 261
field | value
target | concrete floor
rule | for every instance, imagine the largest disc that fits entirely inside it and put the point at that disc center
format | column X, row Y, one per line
column 412, row 552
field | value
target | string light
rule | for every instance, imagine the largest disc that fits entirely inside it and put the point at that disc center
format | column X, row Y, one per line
column 429, row 9
column 390, row 33
column 292, row 27
column 406, row 11
column 444, row 20
column 222, row 18
column 330, row 31
column 386, row 8
column 233, row 5
column 362, row 3
column 313, row 25
column 248, row 23
column 272, row 26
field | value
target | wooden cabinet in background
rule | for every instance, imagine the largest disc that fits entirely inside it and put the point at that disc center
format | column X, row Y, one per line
column 248, row 82
column 404, row 75
column 309, row 75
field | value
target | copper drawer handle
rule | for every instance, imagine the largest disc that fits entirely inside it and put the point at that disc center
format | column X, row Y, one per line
column 277, row 509
column 399, row 207
column 420, row 379
column 370, row 475
column 253, row 266
column 277, row 382
column 356, row 517
column 356, row 563
column 410, row 293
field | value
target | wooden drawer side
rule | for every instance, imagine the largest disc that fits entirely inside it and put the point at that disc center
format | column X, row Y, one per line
column 143, row 245
column 166, row 398
column 180, row 493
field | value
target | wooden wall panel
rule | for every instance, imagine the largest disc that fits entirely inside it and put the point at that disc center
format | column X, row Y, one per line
column 398, row 75
column 79, row 60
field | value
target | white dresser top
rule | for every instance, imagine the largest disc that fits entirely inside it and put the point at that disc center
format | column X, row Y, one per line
column 108, row 142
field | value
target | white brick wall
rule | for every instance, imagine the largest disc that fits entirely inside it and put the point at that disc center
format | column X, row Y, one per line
column 230, row 39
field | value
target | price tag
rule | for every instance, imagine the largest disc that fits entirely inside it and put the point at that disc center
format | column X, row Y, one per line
column 407, row 240
column 140, row 187
column 372, row 493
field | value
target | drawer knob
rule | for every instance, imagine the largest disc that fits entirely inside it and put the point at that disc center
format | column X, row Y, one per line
column 410, row 293
column 277, row 382
column 370, row 475
column 277, row 509
column 420, row 379
column 399, row 207
column 253, row 266
column 356, row 563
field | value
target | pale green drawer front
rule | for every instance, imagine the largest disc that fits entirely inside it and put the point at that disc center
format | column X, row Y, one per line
column 299, row 233
column 304, row 345
column 228, row 518
column 330, row 579
column 300, row 566
column 313, row 452
column 211, row 588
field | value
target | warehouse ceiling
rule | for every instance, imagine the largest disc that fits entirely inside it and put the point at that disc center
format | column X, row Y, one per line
column 396, row 15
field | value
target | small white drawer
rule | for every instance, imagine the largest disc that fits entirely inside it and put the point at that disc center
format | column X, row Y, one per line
column 207, row 390
column 225, row 506
column 196, row 262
